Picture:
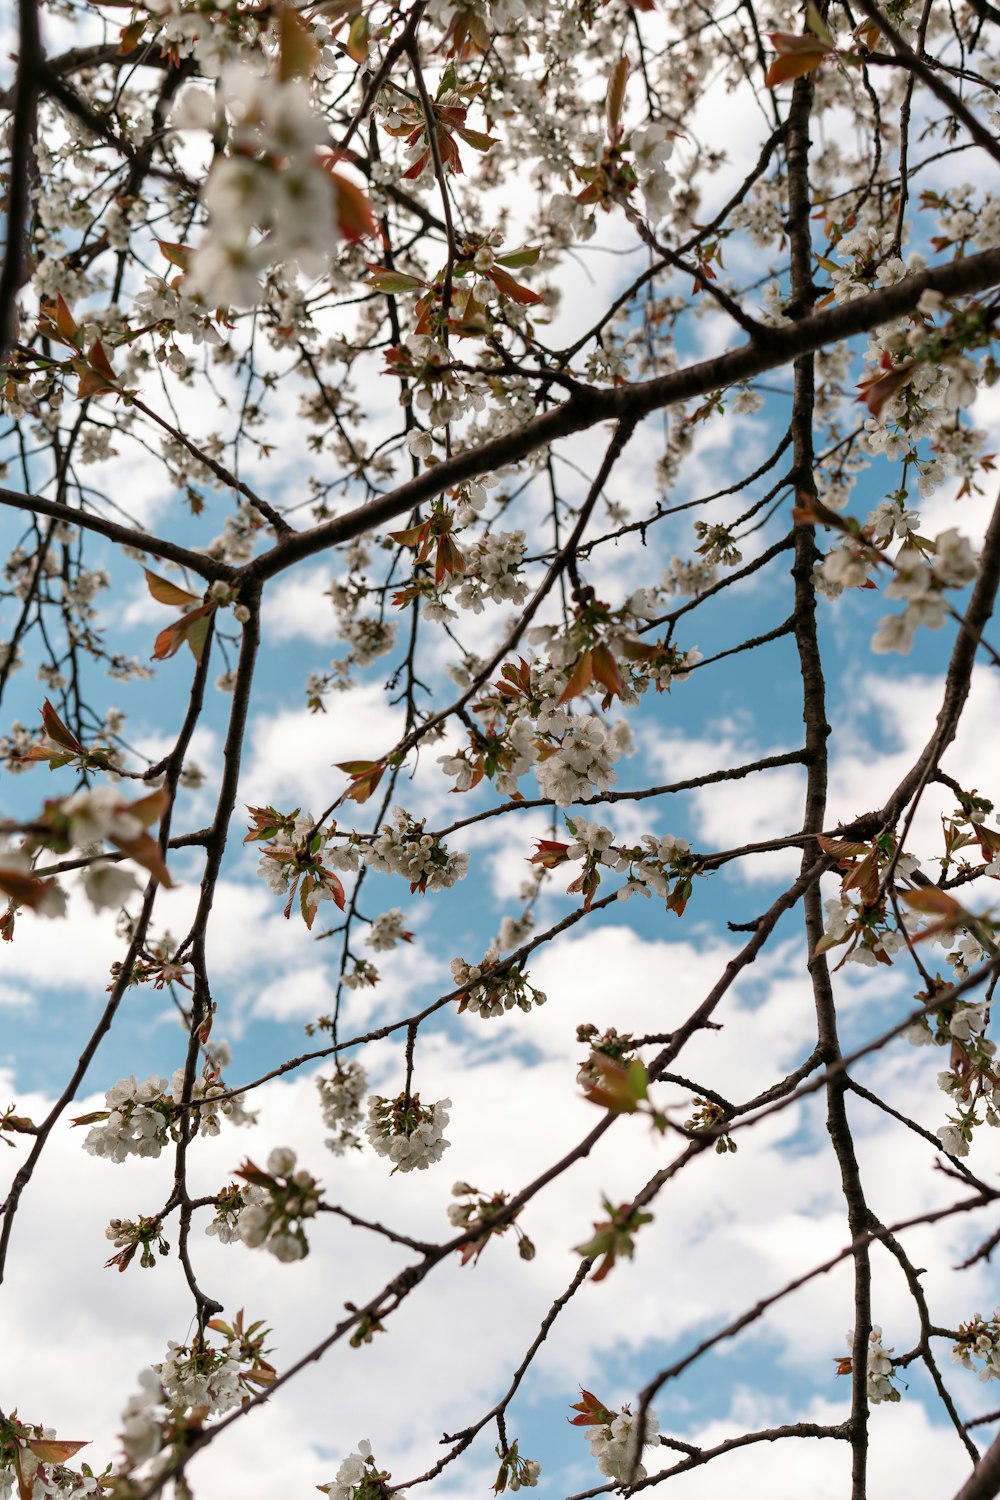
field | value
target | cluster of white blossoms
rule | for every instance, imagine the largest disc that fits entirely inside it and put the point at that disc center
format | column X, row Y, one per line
column 282, row 1199
column 763, row 212
column 409, row 1133
column 108, row 887
column 444, row 394
column 367, row 635
column 517, row 930
column 85, row 819
column 271, row 201
column 387, row 931
column 879, row 1367
column 476, row 1212
column 362, row 974
column 402, row 848
column 141, row 1433
column 229, row 1206
column 160, row 302
column 688, row 578
column 971, row 1079
column 142, row 1118
column 873, row 942
column 652, row 148
column 138, row 1122
column 921, row 585
column 849, row 565
column 616, row 1445
column 24, row 1473
column 340, row 1103
column 519, row 755
column 584, row 761
column 493, row 571
column 277, row 865
column 659, row 865
column 866, row 263
column 207, row 1105
column 650, row 864
column 193, row 1379
column 359, row 1479
column 292, row 861
column 189, row 1379
column 980, row 1340
column 494, row 994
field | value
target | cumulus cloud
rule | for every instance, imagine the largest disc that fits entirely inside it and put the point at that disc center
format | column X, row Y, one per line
column 772, row 1210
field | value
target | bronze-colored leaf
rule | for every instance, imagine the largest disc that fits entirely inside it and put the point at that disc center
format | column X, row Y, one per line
column 580, row 678
column 192, row 627
column 57, row 730
column 55, row 1450
column 165, row 592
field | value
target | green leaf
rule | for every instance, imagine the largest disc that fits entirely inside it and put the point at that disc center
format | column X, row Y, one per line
column 817, row 25
column 515, row 260
column 387, row 279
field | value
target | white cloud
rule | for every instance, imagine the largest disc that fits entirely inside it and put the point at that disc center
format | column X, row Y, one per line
column 12, row 997
column 293, row 753
column 727, row 1230
column 299, row 607
column 880, row 727
column 910, row 1455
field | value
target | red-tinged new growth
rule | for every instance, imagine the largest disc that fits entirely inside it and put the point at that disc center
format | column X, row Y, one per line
column 613, row 1237
column 799, row 55
column 294, row 860
column 474, row 1211
column 36, row 1461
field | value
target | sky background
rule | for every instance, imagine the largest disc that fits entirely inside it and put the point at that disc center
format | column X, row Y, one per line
column 732, row 1228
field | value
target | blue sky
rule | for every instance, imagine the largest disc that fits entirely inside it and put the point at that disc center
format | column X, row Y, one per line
column 736, row 1227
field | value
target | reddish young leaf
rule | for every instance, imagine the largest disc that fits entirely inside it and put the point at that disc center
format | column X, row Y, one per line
column 797, row 55
column 511, row 288
column 863, row 877
column 165, row 592
column 253, row 1174
column 147, row 853
column 593, row 1412
column 365, row 776
column 150, row 809
column 580, row 678
column 449, row 562
column 298, row 48
column 842, row 848
column 130, row 36
column 25, row 889
column 57, row 731
column 54, row 1450
column 549, row 853
column 876, row 389
column 606, row 670
column 587, row 884
column 616, row 98
column 59, row 322
column 192, row 628
column 178, row 255
column 353, row 212
column 937, row 903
